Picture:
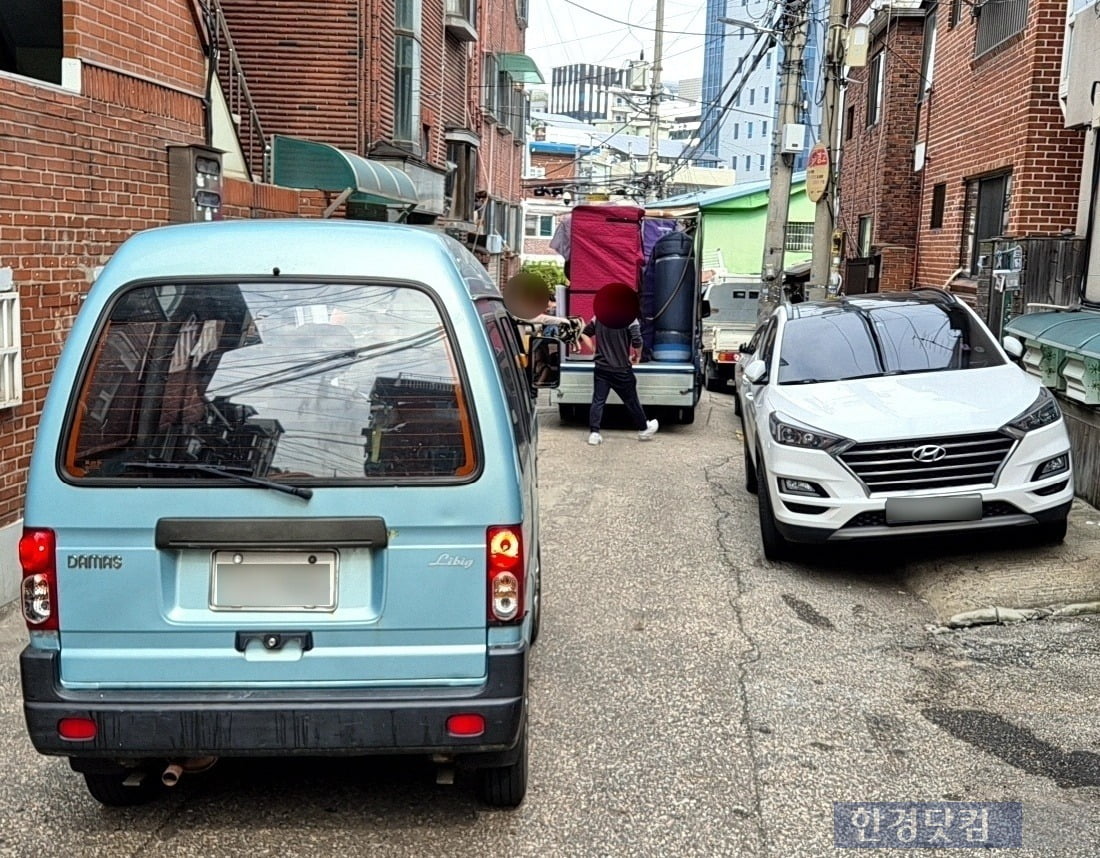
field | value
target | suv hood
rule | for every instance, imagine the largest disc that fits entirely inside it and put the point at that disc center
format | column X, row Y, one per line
column 948, row 402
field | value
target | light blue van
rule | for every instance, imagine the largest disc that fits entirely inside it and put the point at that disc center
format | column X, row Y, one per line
column 283, row 501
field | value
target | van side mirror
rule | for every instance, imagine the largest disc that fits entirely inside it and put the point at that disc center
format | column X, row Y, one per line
column 544, row 362
column 1014, row 348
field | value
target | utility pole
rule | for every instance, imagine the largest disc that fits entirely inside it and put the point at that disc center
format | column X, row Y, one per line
column 821, row 260
column 793, row 25
column 655, row 105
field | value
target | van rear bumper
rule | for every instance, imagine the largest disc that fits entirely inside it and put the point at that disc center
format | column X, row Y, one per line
column 134, row 724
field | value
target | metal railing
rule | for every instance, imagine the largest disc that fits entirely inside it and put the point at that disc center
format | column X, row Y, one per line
column 246, row 118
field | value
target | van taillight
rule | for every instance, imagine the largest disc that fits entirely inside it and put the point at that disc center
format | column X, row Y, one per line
column 505, row 568
column 38, row 557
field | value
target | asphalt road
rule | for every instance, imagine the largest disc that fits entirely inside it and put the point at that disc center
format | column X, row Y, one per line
column 688, row 698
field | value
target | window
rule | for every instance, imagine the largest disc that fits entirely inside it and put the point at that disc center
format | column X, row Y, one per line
column 406, row 80
column 767, row 94
column 11, row 351
column 504, row 101
column 956, row 12
column 874, row 88
column 733, row 163
column 31, row 39
column 459, row 186
column 490, row 93
column 764, row 128
column 768, row 61
column 326, row 383
column 749, row 134
column 866, row 224
column 939, row 197
column 539, row 226
column 761, row 162
column 752, row 96
column 506, row 349
column 521, row 12
column 928, row 59
column 736, row 129
column 800, row 237
column 849, row 121
column 997, row 23
column 986, row 216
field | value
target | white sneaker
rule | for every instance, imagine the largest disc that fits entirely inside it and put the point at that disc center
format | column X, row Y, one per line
column 649, row 431
column 595, row 438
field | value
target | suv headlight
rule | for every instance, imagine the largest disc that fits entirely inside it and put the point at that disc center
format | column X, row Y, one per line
column 792, row 434
column 1042, row 412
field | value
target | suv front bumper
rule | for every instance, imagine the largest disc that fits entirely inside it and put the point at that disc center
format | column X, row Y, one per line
column 136, row 724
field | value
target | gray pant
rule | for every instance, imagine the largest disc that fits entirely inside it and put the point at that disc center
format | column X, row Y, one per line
column 623, row 382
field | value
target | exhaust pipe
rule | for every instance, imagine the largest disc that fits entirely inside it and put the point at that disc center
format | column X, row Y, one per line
column 177, row 768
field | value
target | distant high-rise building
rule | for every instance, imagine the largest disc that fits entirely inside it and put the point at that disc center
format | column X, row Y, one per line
column 740, row 101
column 583, row 91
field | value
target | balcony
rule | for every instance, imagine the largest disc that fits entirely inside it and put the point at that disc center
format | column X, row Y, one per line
column 461, row 20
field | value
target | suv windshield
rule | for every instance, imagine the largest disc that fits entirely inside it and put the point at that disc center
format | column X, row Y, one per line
column 274, row 380
column 891, row 338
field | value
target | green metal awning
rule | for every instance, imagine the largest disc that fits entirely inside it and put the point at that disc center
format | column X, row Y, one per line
column 299, row 163
column 521, row 67
column 1074, row 332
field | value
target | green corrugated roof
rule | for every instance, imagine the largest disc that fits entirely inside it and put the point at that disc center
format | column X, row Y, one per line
column 299, row 163
column 1077, row 332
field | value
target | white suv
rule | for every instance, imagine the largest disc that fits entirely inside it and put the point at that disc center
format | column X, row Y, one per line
column 896, row 414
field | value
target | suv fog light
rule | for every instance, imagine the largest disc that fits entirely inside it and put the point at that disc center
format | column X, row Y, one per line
column 1050, row 467
column 801, row 487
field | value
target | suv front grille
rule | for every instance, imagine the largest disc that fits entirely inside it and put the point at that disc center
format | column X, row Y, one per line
column 890, row 466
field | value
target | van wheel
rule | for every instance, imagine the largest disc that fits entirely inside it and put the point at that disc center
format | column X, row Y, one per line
column 776, row 546
column 109, row 789
column 506, row 786
column 536, row 606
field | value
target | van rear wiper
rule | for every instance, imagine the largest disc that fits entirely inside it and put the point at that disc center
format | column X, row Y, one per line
column 214, row 470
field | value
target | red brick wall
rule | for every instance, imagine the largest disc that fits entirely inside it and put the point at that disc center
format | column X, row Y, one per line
column 78, row 175
column 876, row 176
column 302, row 66
column 986, row 115
column 153, row 40
column 559, row 168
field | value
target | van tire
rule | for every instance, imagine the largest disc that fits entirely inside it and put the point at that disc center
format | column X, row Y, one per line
column 506, row 786
column 536, row 606
column 108, row 788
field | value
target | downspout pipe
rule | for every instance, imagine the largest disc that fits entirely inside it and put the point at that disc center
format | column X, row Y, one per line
column 1091, row 220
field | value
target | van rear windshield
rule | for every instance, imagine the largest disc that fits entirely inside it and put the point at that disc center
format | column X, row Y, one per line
column 283, row 381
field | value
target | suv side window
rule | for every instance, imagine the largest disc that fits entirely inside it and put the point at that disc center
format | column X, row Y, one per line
column 766, row 345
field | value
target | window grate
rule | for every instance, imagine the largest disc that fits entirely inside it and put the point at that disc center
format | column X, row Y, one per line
column 998, row 21
column 11, row 351
column 800, row 237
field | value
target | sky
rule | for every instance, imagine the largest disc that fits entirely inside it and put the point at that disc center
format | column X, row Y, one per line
column 562, row 32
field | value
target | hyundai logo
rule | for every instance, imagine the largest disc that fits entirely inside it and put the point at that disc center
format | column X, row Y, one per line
column 929, row 453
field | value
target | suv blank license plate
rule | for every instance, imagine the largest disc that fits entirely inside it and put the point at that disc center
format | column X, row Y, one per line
column 273, row 581
column 910, row 510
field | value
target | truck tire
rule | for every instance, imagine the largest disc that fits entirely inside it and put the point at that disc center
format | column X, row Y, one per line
column 685, row 416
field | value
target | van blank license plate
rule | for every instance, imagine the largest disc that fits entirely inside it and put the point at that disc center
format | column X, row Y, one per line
column 273, row 581
column 909, row 510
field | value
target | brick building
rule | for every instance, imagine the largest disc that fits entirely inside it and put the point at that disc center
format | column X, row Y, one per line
column 952, row 135
column 549, row 188
column 99, row 93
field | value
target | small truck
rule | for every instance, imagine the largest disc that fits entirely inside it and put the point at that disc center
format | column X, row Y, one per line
column 734, row 304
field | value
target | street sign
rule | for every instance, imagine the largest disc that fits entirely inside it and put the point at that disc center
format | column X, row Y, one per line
column 817, row 172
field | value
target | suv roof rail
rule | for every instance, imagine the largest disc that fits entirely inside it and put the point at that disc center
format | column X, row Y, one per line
column 937, row 294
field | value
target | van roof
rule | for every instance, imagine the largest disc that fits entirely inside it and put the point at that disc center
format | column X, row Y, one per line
column 296, row 248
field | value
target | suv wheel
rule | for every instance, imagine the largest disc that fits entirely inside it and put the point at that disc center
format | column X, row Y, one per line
column 1051, row 532
column 750, row 468
column 776, row 546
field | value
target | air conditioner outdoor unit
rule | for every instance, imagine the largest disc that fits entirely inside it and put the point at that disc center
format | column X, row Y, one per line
column 536, row 172
column 494, row 243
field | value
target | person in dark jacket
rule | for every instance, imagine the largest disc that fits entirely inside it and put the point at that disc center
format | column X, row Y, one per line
column 617, row 350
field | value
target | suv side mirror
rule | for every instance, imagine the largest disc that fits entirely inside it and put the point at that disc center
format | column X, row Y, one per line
column 544, row 362
column 756, row 370
column 1014, row 348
